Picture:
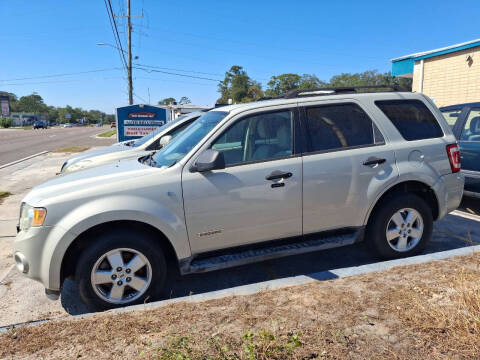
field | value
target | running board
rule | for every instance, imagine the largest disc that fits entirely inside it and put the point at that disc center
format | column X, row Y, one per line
column 245, row 256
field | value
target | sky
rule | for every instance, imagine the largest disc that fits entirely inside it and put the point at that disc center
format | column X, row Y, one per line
column 41, row 39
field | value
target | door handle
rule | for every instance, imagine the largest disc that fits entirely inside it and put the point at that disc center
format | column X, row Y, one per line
column 278, row 175
column 374, row 161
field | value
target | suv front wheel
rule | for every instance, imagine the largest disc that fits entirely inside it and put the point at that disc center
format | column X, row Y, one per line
column 120, row 269
column 401, row 226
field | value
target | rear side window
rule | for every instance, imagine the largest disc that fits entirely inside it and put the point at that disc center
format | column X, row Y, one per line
column 411, row 118
column 452, row 116
column 340, row 126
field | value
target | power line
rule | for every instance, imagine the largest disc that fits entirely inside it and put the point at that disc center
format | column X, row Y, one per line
column 177, row 74
column 173, row 69
column 169, row 80
column 116, row 36
column 60, row 75
column 61, row 81
column 138, row 96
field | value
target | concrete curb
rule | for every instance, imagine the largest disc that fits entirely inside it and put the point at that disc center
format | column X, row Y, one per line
column 23, row 159
column 275, row 284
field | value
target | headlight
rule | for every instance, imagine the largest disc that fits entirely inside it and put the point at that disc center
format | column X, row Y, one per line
column 77, row 166
column 31, row 216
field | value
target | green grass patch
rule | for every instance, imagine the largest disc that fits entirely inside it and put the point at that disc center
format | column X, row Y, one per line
column 252, row 346
column 4, row 195
column 107, row 133
column 72, row 149
column 28, row 127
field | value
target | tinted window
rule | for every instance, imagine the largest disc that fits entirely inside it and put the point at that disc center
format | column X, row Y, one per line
column 411, row 118
column 340, row 126
column 471, row 131
column 257, row 138
column 452, row 116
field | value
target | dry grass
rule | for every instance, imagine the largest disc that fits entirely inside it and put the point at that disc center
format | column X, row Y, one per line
column 426, row 311
column 4, row 195
column 72, row 149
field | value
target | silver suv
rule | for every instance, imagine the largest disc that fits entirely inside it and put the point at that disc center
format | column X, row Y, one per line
column 244, row 183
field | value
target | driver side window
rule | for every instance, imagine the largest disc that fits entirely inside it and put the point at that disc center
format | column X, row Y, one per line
column 257, row 138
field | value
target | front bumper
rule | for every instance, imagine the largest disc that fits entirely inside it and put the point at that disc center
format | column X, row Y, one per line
column 28, row 249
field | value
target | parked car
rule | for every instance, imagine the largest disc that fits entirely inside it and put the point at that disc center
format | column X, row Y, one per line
column 67, row 125
column 465, row 122
column 130, row 148
column 39, row 125
column 99, row 125
column 113, row 125
column 313, row 170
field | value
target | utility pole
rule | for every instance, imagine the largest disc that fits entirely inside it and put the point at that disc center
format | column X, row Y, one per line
column 130, row 82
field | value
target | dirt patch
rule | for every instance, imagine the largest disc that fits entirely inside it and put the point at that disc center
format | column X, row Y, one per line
column 72, row 149
column 425, row 311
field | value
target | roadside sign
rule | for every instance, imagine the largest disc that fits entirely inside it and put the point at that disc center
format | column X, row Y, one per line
column 68, row 116
column 135, row 121
column 4, row 106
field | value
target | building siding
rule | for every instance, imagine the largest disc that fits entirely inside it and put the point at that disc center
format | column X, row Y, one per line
column 449, row 79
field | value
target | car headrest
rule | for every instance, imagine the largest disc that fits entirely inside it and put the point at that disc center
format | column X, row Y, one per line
column 475, row 125
column 261, row 129
column 283, row 136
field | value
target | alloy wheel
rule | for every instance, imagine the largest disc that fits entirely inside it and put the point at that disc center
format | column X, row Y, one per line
column 404, row 229
column 121, row 276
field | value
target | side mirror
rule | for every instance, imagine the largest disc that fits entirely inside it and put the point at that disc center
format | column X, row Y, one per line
column 209, row 160
column 164, row 140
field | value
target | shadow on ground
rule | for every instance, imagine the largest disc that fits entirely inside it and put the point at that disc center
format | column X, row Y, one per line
column 452, row 232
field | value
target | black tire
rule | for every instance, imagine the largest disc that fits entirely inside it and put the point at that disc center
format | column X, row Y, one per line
column 379, row 220
column 105, row 242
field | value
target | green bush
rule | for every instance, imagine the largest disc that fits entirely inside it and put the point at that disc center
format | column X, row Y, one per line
column 5, row 122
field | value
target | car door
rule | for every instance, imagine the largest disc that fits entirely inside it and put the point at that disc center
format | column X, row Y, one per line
column 257, row 197
column 346, row 165
column 469, row 142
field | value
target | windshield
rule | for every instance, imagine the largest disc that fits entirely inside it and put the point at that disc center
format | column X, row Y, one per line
column 146, row 138
column 183, row 143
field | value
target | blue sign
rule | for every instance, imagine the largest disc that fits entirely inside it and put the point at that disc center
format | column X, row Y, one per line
column 135, row 121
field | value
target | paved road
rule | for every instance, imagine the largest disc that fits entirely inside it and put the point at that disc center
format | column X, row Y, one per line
column 18, row 143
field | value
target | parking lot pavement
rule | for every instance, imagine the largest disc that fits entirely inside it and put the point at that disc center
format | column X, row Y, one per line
column 19, row 143
column 23, row 300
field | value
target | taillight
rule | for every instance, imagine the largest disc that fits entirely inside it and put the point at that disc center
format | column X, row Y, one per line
column 454, row 157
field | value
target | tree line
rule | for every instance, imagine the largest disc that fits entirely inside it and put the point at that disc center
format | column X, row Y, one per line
column 35, row 104
column 239, row 87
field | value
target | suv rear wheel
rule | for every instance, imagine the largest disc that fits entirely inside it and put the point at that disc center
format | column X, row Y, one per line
column 401, row 226
column 120, row 269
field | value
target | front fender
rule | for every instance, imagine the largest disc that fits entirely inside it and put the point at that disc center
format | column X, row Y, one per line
column 166, row 218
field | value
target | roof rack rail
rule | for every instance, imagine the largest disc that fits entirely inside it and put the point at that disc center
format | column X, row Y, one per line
column 339, row 90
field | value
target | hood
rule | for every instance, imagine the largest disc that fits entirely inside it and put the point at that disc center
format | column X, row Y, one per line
column 92, row 180
column 104, row 150
column 93, row 161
